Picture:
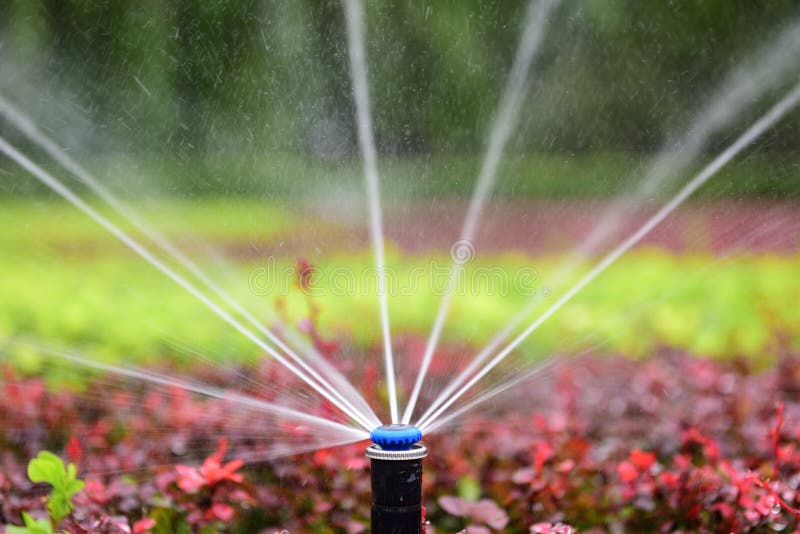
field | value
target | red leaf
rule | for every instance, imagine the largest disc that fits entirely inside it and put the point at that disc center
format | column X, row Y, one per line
column 484, row 511
column 189, row 479
column 566, row 466
column 96, row 491
column 74, row 450
column 627, row 471
column 454, row 505
column 642, row 460
column 542, row 453
column 526, row 475
column 143, row 525
column 487, row 511
column 221, row 511
column 211, row 473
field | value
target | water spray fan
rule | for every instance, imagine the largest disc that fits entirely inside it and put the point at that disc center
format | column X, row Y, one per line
column 396, row 458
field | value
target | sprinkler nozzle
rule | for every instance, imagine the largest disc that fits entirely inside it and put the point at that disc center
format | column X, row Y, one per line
column 395, row 437
column 396, row 460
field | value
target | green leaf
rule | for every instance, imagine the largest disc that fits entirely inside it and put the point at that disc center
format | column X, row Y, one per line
column 73, row 486
column 469, row 489
column 58, row 506
column 37, row 526
column 47, row 467
column 168, row 521
column 32, row 526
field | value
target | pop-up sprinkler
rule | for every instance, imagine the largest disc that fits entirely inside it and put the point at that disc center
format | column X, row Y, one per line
column 396, row 479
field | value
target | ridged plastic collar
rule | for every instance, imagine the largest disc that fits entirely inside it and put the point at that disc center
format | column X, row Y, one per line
column 416, row 452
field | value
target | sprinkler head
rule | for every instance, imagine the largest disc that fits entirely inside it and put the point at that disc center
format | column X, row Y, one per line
column 396, row 437
column 396, row 460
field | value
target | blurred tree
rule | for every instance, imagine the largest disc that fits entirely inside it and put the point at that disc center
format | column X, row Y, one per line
column 213, row 75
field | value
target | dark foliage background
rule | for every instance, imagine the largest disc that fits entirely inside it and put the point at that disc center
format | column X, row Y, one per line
column 189, row 75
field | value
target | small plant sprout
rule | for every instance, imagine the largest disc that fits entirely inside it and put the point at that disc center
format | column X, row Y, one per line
column 48, row 468
column 32, row 526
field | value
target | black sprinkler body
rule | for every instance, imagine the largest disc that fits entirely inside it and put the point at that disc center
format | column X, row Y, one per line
column 396, row 460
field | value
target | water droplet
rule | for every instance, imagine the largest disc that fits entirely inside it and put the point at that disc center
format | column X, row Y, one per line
column 774, row 505
column 778, row 524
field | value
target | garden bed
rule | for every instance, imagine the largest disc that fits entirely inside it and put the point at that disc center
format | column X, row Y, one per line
column 674, row 443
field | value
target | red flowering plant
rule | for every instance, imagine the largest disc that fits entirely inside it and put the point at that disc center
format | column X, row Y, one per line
column 674, row 443
column 210, row 493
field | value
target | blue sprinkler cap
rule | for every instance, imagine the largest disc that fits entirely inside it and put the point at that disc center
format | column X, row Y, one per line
column 396, row 437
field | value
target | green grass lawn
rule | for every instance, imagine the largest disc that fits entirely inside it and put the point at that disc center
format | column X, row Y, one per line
column 64, row 281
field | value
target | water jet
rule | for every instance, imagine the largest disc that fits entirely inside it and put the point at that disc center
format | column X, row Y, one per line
column 396, row 465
